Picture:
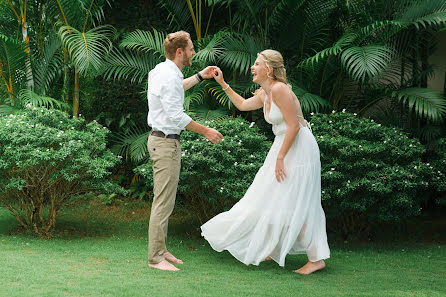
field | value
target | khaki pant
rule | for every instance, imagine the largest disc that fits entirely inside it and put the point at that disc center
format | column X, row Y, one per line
column 166, row 163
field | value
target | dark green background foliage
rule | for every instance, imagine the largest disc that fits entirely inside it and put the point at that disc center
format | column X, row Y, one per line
column 215, row 177
column 370, row 173
column 47, row 157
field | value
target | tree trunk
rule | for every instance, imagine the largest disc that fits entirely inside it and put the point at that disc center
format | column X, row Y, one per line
column 29, row 71
column 76, row 94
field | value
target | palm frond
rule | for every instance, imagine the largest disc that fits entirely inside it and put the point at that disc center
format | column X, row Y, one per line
column 124, row 64
column 204, row 113
column 47, row 66
column 211, row 48
column 240, row 52
column 344, row 41
column 178, row 13
column 6, row 109
column 194, row 96
column 131, row 144
column 310, row 102
column 424, row 102
column 424, row 13
column 87, row 49
column 285, row 11
column 144, row 41
column 29, row 97
column 366, row 62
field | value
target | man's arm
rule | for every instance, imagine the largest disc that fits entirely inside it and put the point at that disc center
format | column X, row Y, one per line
column 211, row 134
column 191, row 81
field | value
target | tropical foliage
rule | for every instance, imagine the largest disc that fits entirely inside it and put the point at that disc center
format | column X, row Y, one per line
column 57, row 39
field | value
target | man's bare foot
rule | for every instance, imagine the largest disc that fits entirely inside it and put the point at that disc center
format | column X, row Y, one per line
column 169, row 257
column 164, row 265
column 311, row 267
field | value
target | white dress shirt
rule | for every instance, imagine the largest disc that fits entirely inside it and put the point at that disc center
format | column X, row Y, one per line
column 165, row 97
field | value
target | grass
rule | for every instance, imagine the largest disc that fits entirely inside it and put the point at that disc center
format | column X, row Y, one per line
column 101, row 251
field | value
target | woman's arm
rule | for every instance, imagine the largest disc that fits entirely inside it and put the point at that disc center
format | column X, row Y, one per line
column 242, row 104
column 284, row 100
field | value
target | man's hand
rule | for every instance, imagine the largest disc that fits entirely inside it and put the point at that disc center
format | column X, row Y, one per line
column 213, row 135
column 208, row 72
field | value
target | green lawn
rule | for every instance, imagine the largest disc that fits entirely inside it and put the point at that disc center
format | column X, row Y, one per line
column 101, row 251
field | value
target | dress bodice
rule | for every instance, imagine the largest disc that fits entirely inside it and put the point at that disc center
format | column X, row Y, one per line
column 275, row 118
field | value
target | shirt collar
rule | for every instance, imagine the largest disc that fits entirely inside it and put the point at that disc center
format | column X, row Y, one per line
column 174, row 66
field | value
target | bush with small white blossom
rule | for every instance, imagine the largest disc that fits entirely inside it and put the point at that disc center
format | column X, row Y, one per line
column 437, row 162
column 47, row 157
column 370, row 173
column 215, row 176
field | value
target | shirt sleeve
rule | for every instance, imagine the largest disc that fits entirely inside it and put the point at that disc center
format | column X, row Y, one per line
column 172, row 102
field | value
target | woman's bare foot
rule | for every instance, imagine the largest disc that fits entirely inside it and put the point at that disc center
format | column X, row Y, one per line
column 311, row 267
column 268, row 258
column 164, row 265
column 169, row 257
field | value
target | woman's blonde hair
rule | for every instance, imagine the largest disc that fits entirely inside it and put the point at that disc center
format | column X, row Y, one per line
column 274, row 60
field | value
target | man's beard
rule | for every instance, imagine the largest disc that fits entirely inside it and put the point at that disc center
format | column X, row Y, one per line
column 187, row 61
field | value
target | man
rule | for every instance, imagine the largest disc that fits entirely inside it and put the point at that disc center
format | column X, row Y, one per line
column 167, row 118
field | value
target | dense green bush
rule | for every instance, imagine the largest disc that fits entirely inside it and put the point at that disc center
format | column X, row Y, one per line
column 370, row 173
column 215, row 176
column 437, row 162
column 47, row 157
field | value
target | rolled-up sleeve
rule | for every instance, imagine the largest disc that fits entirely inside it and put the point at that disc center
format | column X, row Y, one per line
column 172, row 102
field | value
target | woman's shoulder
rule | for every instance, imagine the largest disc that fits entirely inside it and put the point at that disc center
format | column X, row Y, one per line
column 280, row 91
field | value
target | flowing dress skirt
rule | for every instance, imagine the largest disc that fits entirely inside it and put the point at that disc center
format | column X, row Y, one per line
column 275, row 219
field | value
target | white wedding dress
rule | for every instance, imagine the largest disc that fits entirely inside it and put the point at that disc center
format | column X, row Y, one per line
column 275, row 219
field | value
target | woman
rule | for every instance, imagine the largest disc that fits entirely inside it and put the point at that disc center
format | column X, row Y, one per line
column 281, row 212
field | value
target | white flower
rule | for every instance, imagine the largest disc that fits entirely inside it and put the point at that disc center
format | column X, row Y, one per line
column 333, row 111
column 332, row 169
column 355, row 114
column 251, row 125
column 330, row 122
column 343, row 110
column 235, row 164
column 312, row 113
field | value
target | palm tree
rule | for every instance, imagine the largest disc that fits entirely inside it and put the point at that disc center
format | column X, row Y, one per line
column 84, row 41
column 381, row 54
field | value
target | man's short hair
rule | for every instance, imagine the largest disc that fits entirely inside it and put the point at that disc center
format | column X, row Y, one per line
column 174, row 41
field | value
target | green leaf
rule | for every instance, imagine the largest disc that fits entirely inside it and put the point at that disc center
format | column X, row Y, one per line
column 366, row 62
column 144, row 41
column 87, row 49
column 425, row 102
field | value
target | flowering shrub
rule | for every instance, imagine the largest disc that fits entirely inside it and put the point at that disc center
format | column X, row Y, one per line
column 215, row 176
column 370, row 173
column 438, row 165
column 46, row 157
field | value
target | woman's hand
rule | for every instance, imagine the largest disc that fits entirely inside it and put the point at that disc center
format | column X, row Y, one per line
column 218, row 76
column 280, row 171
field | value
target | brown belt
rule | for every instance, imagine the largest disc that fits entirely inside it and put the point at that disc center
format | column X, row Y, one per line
column 161, row 134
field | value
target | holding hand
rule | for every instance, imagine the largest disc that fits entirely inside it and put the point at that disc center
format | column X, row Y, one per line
column 208, row 72
column 218, row 76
